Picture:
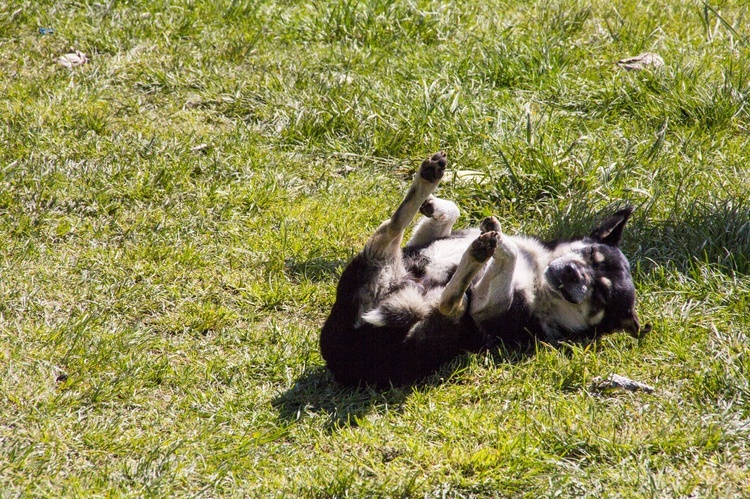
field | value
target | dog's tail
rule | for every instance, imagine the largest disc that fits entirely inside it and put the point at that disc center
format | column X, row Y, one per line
column 403, row 308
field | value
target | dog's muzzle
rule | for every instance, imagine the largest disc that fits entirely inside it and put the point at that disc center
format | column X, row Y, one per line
column 568, row 278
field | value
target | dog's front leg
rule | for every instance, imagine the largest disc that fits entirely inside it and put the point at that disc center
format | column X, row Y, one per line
column 386, row 242
column 493, row 293
column 452, row 299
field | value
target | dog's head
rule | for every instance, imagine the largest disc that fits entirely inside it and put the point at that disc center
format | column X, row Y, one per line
column 592, row 277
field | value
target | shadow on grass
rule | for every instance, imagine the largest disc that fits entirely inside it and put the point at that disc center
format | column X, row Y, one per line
column 711, row 231
column 316, row 393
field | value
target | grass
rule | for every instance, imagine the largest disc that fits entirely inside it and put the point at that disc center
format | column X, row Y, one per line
column 175, row 213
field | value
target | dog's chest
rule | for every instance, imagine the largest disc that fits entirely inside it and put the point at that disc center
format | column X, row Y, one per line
column 442, row 257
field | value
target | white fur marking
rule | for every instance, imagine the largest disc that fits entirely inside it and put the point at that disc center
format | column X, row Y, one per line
column 374, row 317
column 409, row 300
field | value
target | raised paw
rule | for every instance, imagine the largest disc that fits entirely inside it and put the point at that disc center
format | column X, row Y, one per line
column 490, row 224
column 438, row 209
column 433, row 168
column 506, row 250
column 484, row 246
column 428, row 207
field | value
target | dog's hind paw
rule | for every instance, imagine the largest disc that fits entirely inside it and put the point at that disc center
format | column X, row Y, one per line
column 506, row 250
column 433, row 168
column 484, row 246
column 490, row 224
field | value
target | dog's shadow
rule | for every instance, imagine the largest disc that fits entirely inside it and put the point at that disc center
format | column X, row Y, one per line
column 316, row 394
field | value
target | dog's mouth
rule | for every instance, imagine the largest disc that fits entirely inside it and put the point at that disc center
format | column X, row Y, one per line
column 576, row 297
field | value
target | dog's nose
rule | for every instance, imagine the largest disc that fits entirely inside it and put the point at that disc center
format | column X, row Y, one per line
column 570, row 273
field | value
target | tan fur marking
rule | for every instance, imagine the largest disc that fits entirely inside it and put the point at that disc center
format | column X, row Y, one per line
column 596, row 318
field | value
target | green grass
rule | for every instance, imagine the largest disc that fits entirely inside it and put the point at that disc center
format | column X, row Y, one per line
column 160, row 305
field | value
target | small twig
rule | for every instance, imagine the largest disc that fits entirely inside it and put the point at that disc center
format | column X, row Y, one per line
column 615, row 381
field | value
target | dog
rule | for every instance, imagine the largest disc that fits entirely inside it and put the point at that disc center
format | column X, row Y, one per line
column 402, row 312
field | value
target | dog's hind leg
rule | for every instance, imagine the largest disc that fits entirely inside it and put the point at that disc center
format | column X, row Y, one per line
column 452, row 299
column 385, row 244
column 439, row 217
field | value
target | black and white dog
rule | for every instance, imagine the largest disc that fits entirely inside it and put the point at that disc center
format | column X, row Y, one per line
column 402, row 312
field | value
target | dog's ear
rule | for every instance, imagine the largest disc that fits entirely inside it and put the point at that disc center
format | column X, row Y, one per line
column 609, row 230
column 631, row 325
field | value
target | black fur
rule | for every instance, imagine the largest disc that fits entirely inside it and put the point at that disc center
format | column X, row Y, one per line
column 388, row 355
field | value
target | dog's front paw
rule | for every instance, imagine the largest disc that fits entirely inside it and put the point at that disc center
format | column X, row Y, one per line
column 490, row 224
column 484, row 246
column 428, row 207
column 440, row 210
column 433, row 168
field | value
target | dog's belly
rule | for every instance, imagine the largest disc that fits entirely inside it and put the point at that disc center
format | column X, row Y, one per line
column 444, row 254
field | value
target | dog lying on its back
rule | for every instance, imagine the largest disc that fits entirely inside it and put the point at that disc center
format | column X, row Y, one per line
column 402, row 312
